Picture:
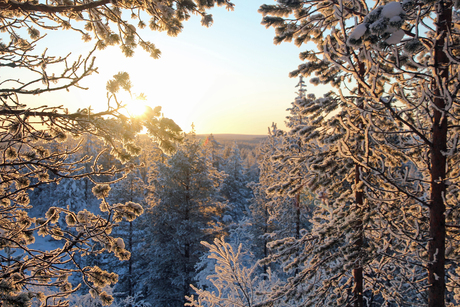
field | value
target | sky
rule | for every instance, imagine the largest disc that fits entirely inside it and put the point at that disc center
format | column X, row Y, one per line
column 229, row 78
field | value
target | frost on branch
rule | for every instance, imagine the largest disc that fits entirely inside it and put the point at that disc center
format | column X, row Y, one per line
column 101, row 190
column 232, row 283
column 42, row 156
column 42, row 145
column 389, row 145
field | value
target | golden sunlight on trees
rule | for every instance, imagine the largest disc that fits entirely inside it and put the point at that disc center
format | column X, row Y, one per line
column 32, row 152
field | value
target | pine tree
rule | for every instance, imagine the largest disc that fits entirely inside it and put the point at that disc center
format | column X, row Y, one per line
column 185, row 211
column 214, row 149
column 234, row 187
column 131, row 189
column 303, row 161
column 27, row 130
column 405, row 103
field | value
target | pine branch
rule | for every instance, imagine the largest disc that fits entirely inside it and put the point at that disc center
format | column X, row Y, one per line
column 12, row 5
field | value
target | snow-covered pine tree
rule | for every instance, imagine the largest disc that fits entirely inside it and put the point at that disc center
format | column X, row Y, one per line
column 130, row 189
column 283, row 208
column 421, row 98
column 214, row 149
column 234, row 187
column 323, row 274
column 130, row 288
column 407, row 103
column 185, row 210
column 272, row 216
column 248, row 226
column 423, row 102
column 305, row 159
column 313, row 22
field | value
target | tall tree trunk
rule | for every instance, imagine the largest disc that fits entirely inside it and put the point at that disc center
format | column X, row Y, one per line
column 436, row 246
column 359, row 201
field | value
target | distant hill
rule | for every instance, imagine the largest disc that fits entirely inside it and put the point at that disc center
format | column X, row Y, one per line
column 239, row 138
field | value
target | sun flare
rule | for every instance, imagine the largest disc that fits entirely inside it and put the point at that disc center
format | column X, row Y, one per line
column 136, row 106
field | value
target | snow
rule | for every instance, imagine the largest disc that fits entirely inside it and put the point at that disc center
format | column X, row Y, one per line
column 392, row 9
column 227, row 218
column 120, row 243
column 382, row 21
column 395, row 38
column 359, row 31
column 395, row 19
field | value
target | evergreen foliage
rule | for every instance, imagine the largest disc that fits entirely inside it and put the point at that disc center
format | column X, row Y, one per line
column 31, row 156
column 394, row 65
column 234, row 187
column 233, row 283
column 185, row 210
column 355, row 204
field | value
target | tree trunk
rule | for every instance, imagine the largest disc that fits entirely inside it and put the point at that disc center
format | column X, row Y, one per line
column 297, row 215
column 358, row 270
column 436, row 246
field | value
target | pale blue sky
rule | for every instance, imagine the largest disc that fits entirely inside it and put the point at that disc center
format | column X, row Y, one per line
column 229, row 78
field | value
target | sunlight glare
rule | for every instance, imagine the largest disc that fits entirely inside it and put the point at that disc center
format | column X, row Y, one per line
column 136, row 106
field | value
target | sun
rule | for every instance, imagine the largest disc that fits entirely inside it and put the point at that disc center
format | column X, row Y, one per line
column 136, row 106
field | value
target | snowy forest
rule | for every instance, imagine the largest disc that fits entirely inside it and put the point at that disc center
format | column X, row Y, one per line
column 355, row 203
